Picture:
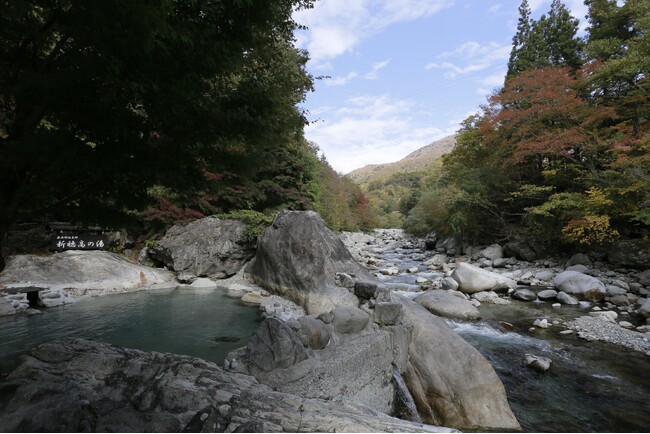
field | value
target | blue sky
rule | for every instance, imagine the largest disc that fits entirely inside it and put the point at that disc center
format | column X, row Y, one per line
column 403, row 72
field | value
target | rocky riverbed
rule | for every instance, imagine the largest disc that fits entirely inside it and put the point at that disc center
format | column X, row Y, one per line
column 327, row 317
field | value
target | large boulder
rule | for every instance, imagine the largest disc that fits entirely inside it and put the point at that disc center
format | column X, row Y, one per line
column 495, row 251
column 357, row 366
column 275, row 345
column 473, row 279
column 630, row 253
column 205, row 247
column 451, row 382
column 82, row 386
column 446, row 304
column 298, row 257
column 580, row 285
column 79, row 271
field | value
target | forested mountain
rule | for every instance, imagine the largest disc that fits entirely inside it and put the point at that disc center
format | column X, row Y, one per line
column 392, row 189
column 562, row 152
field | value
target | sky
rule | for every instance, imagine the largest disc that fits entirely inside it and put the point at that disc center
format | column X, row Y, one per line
column 400, row 74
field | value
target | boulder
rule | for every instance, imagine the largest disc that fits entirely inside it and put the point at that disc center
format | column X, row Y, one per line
column 547, row 294
column 544, row 275
column 205, row 247
column 348, row 319
column 253, row 297
column 365, row 290
column 314, row 333
column 580, row 285
column 524, row 295
column 579, row 259
column 446, row 304
column 490, row 297
column 97, row 387
column 274, row 345
column 630, row 253
column 645, row 308
column 524, row 248
column 387, row 313
column 473, row 279
column 451, row 382
column 78, row 271
column 203, row 283
column 495, row 251
column 539, row 363
column 298, row 257
column 565, row 298
column 644, row 277
column 449, row 283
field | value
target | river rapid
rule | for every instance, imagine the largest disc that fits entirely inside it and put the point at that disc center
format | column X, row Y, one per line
column 591, row 386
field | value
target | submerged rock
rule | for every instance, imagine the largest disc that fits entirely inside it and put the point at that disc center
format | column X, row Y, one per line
column 539, row 363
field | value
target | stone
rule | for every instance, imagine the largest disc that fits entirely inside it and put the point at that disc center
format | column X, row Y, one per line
column 413, row 270
column 298, row 257
column 619, row 300
column 81, row 270
column 444, row 303
column 253, row 297
column 579, row 268
column 541, row 323
column 437, row 260
column 456, row 387
column 614, row 290
column 205, row 247
column 449, row 283
column 203, row 283
column 344, row 280
column 544, row 275
column 236, row 290
column 523, row 248
column 490, row 297
column 547, row 294
column 538, row 363
column 473, row 279
column 387, row 313
column 275, row 345
column 144, row 259
column 365, row 290
column 565, row 298
column 98, row 387
column 495, row 251
column 421, row 280
column 348, row 319
column 644, row 278
column 524, row 295
column 579, row 259
column 630, row 253
column 608, row 315
column 390, row 271
column 499, row 262
column 644, row 310
column 626, row 324
column 314, row 332
column 580, row 285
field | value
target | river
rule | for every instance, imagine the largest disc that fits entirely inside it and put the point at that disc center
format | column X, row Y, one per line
column 196, row 322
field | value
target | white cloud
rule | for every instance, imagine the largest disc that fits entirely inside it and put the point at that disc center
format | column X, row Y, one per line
column 340, row 81
column 495, row 8
column 473, row 57
column 372, row 130
column 373, row 74
column 335, row 27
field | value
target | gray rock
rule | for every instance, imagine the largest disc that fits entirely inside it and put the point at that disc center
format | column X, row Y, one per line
column 644, row 278
column 456, row 387
column 205, row 247
column 544, row 275
column 314, row 332
column 77, row 271
column 565, row 298
column 619, row 300
column 298, row 257
column 344, row 280
column 365, row 290
column 473, row 279
column 349, row 319
column 449, row 283
column 275, row 345
column 579, row 259
column 524, row 295
column 102, row 388
column 579, row 268
column 499, row 262
column 144, row 259
column 437, row 260
column 547, row 294
column 580, row 285
column 645, row 308
column 446, row 304
column 387, row 313
column 490, row 297
column 539, row 363
column 495, row 251
column 630, row 253
column 614, row 290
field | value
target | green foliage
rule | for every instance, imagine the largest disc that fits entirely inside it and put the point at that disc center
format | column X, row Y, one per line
column 197, row 97
column 257, row 222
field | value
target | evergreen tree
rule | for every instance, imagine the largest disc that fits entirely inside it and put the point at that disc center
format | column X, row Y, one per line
column 565, row 48
column 520, row 58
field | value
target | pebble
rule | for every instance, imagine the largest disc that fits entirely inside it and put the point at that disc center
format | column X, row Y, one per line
column 566, row 332
column 556, row 305
column 541, row 323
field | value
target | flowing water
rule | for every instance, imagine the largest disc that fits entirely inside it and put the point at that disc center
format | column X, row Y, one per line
column 591, row 386
column 200, row 323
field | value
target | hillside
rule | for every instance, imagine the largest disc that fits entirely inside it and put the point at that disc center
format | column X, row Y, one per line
column 417, row 161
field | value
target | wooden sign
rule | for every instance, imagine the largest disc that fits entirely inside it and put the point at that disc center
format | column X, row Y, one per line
column 61, row 242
